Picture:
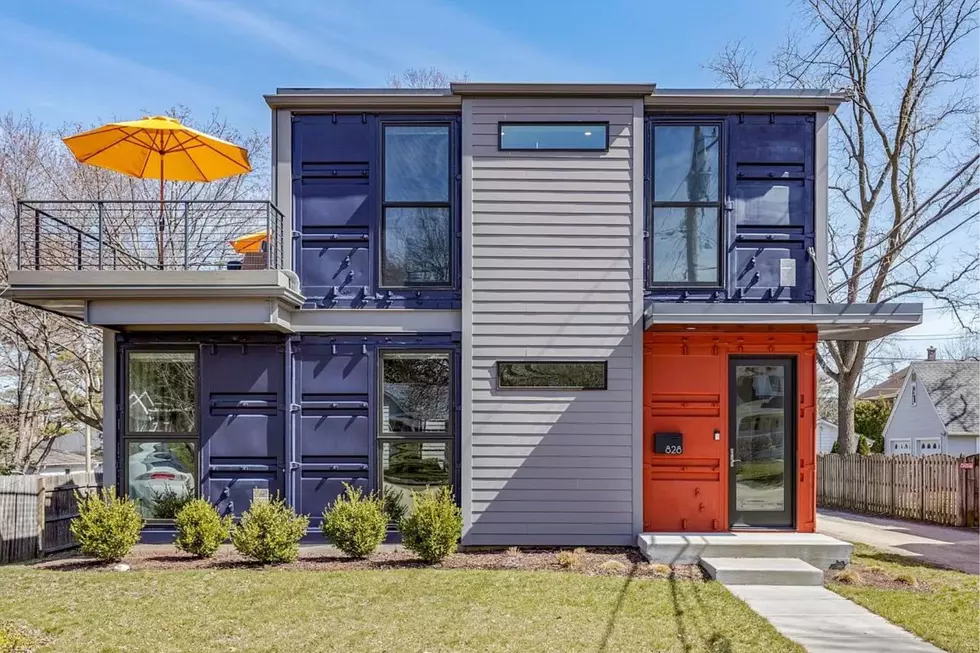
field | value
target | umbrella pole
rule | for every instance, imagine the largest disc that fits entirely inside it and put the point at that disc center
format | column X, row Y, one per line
column 161, row 226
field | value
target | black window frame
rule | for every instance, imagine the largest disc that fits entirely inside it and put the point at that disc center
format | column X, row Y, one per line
column 448, row 205
column 719, row 204
column 128, row 437
column 448, row 437
column 605, row 375
column 604, row 124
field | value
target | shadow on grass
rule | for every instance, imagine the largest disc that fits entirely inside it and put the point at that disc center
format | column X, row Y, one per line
column 611, row 624
column 904, row 561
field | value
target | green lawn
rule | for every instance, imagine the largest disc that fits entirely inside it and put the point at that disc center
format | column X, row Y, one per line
column 938, row 605
column 381, row 611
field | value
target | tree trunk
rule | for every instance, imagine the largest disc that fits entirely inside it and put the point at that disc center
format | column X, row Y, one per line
column 846, row 438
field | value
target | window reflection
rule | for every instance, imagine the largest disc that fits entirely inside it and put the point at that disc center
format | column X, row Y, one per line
column 414, row 465
column 161, row 476
column 416, row 393
column 417, row 246
column 760, row 438
column 162, row 392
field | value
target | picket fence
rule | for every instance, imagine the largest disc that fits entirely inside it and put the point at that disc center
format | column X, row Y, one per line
column 941, row 489
column 36, row 511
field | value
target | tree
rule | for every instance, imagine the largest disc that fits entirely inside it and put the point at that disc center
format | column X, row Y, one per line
column 870, row 417
column 904, row 156
column 966, row 347
column 425, row 78
column 55, row 362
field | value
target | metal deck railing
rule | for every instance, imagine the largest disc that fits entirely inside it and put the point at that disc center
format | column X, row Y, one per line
column 133, row 235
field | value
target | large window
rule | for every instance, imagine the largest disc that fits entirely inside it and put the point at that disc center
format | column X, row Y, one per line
column 161, row 434
column 417, row 423
column 559, row 375
column 416, row 221
column 686, row 205
column 554, row 136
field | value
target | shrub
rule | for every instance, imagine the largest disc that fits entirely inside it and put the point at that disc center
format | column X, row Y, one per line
column 200, row 529
column 662, row 569
column 907, row 578
column 18, row 637
column 269, row 532
column 569, row 559
column 613, row 566
column 168, row 503
column 107, row 526
column 394, row 508
column 864, row 446
column 434, row 525
column 356, row 524
column 513, row 551
column 848, row 577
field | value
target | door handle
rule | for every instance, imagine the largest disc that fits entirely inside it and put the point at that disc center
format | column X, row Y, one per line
column 731, row 457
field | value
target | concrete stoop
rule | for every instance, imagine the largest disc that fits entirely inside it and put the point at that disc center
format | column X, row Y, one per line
column 820, row 551
column 762, row 571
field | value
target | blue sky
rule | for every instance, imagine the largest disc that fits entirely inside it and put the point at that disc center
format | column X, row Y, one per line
column 92, row 60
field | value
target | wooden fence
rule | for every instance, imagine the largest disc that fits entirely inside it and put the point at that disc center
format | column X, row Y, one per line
column 941, row 489
column 36, row 511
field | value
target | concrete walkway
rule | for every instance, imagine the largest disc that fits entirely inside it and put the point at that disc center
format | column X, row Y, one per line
column 824, row 622
column 955, row 548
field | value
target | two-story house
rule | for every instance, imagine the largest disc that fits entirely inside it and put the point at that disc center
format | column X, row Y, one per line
column 591, row 309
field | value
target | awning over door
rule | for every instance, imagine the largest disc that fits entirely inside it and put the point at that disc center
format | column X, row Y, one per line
column 832, row 321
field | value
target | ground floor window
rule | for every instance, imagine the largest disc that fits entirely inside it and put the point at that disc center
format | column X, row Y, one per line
column 160, row 437
column 415, row 441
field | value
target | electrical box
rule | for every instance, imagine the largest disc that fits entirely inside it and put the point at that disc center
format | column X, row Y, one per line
column 671, row 444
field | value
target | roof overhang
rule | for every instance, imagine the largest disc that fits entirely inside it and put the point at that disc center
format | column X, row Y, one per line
column 751, row 100
column 313, row 99
column 511, row 89
column 254, row 299
column 831, row 321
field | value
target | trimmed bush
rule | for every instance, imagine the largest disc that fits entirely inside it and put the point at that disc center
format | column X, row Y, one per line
column 200, row 529
column 107, row 526
column 434, row 526
column 269, row 532
column 569, row 559
column 356, row 524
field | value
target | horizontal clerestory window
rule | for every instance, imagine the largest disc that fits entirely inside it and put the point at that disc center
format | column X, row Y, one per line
column 685, row 211
column 583, row 375
column 553, row 136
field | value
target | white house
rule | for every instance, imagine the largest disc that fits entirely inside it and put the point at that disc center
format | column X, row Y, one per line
column 826, row 435
column 936, row 410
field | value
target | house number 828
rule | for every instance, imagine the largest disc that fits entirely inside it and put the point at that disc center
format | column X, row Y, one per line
column 673, row 449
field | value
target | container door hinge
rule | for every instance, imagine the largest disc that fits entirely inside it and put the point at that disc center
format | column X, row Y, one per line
column 295, row 408
column 293, row 465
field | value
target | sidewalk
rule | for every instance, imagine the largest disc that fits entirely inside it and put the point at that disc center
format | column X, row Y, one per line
column 824, row 622
column 954, row 548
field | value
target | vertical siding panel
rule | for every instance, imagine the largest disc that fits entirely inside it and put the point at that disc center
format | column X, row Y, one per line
column 540, row 493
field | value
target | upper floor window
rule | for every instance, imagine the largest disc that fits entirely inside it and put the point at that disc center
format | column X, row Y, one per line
column 686, row 205
column 555, row 136
column 416, row 217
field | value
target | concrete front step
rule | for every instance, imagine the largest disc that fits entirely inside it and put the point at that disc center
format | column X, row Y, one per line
column 821, row 551
column 762, row 571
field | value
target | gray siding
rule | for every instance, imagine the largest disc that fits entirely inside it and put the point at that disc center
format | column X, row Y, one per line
column 549, row 246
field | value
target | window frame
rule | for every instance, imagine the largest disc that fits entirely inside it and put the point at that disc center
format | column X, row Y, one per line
column 449, row 204
column 605, row 375
column 452, row 424
column 720, row 204
column 127, row 436
column 551, row 123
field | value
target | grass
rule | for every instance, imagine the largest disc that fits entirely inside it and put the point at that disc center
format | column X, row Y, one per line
column 410, row 610
column 938, row 605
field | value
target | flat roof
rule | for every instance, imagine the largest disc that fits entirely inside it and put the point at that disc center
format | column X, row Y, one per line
column 654, row 98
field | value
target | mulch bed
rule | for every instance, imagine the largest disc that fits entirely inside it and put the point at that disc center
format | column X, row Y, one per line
column 591, row 561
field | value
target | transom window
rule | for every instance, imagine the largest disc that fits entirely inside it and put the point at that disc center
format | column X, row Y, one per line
column 416, row 217
column 584, row 375
column 417, row 423
column 160, row 439
column 555, row 136
column 686, row 205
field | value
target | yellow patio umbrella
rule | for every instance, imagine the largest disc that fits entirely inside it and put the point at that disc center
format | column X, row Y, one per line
column 159, row 148
column 250, row 243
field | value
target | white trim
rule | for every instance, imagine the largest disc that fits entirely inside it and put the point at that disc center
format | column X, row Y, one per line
column 108, row 407
column 466, row 340
column 637, row 316
column 820, row 204
column 282, row 178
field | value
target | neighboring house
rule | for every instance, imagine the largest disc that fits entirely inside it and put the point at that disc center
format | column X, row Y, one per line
column 65, row 453
column 591, row 309
column 936, row 410
column 888, row 389
column 826, row 435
